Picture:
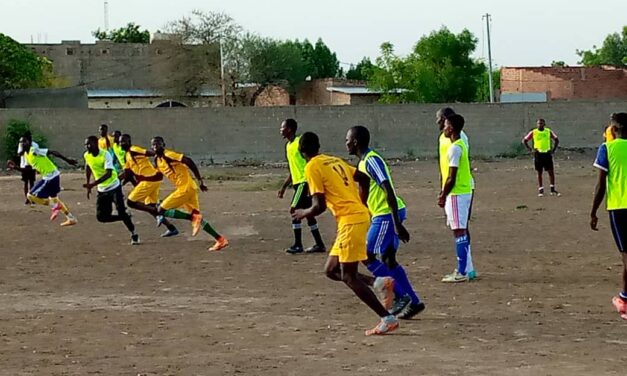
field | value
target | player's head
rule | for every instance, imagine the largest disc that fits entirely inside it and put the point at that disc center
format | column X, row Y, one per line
column 442, row 114
column 619, row 124
column 540, row 123
column 26, row 143
column 125, row 142
column 103, row 130
column 91, row 145
column 288, row 128
column 453, row 125
column 309, row 145
column 357, row 139
column 28, row 135
column 116, row 136
column 158, row 145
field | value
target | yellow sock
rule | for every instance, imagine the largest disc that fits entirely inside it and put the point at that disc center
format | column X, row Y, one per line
column 64, row 208
column 37, row 200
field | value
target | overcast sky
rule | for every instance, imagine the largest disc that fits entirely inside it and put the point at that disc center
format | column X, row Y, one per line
column 524, row 33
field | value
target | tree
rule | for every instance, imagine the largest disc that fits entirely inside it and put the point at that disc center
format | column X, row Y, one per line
column 613, row 51
column 439, row 69
column 360, row 71
column 131, row 33
column 558, row 63
column 483, row 91
column 320, row 62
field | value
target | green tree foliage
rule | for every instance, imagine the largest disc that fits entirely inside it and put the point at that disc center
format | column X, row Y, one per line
column 438, row 70
column 483, row 91
column 12, row 133
column 558, row 63
column 612, row 52
column 360, row 71
column 131, row 33
column 20, row 68
column 320, row 62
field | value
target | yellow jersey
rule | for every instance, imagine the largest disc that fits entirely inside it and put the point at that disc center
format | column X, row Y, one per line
column 171, row 165
column 105, row 143
column 138, row 162
column 333, row 177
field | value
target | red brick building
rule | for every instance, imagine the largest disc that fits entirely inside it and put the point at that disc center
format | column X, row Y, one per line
column 565, row 83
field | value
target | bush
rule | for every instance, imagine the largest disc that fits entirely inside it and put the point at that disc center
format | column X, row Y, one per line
column 11, row 137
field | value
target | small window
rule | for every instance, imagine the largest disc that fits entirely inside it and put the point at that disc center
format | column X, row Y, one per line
column 128, row 102
column 158, row 51
column 69, row 51
column 104, row 52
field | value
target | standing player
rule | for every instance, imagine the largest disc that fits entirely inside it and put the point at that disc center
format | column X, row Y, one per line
column 331, row 182
column 386, row 228
column 145, row 195
column 444, row 143
column 118, row 152
column 100, row 163
column 175, row 167
column 543, row 153
column 46, row 191
column 105, row 142
column 296, row 179
column 456, row 196
column 612, row 164
column 27, row 171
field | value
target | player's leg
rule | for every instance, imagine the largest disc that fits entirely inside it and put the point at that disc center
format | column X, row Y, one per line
column 118, row 200
column 53, row 188
column 457, row 208
column 383, row 283
column 144, row 197
column 38, row 194
column 618, row 223
column 472, row 273
column 538, row 165
column 297, row 247
column 25, row 180
column 304, row 202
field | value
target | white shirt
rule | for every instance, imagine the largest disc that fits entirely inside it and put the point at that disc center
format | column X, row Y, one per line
column 109, row 166
column 23, row 161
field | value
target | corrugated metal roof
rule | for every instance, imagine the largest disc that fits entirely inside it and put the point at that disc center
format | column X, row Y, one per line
column 138, row 93
column 352, row 90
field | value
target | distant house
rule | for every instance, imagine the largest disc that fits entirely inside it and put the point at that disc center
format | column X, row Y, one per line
column 135, row 98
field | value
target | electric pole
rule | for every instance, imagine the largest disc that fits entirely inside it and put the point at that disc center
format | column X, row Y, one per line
column 487, row 21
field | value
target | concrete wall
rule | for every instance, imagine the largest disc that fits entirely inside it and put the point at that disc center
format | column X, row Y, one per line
column 226, row 134
column 74, row 97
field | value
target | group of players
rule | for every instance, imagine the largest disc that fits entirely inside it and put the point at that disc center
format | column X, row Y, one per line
column 363, row 200
column 112, row 161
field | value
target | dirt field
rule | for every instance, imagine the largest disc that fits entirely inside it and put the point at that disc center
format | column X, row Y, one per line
column 82, row 301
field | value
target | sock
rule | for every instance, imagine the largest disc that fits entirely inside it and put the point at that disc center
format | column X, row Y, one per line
column 540, row 189
column 380, row 270
column 552, row 188
column 298, row 234
column 316, row 234
column 209, row 230
column 37, row 200
column 389, row 319
column 400, row 277
column 178, row 214
column 623, row 295
column 461, row 247
column 469, row 265
column 63, row 207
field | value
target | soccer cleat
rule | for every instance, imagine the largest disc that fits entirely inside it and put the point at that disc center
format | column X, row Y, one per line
column 384, row 287
column 411, row 311
column 555, row 193
column 160, row 219
column 541, row 192
column 69, row 222
column 196, row 223
column 384, row 326
column 400, row 304
column 170, row 233
column 135, row 239
column 316, row 249
column 220, row 243
column 56, row 209
column 455, row 277
column 472, row 275
column 620, row 305
column 295, row 249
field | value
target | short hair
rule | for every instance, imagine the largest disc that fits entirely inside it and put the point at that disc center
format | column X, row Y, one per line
column 104, row 125
column 309, row 143
column 542, row 120
column 28, row 135
column 126, row 135
column 457, row 122
column 446, row 112
column 116, row 131
column 361, row 134
column 619, row 119
column 92, row 138
column 291, row 124
column 159, row 138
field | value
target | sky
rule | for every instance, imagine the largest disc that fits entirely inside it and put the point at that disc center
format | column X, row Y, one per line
column 523, row 33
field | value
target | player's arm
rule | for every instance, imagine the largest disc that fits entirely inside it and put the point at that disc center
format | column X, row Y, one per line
column 363, row 182
column 286, row 183
column 448, row 185
column 392, row 201
column 14, row 166
column 526, row 139
column 192, row 166
column 318, row 206
column 556, row 141
column 599, row 194
column 87, row 185
column 70, row 161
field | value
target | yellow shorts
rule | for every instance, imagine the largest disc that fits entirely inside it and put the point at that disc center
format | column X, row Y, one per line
column 146, row 192
column 182, row 198
column 350, row 242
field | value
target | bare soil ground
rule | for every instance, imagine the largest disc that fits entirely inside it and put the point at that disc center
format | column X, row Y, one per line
column 82, row 301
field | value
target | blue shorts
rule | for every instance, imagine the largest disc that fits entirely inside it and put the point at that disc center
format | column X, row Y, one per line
column 47, row 188
column 382, row 234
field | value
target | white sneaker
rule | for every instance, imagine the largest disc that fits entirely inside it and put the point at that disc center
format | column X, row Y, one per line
column 455, row 277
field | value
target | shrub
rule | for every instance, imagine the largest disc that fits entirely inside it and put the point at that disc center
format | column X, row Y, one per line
column 11, row 137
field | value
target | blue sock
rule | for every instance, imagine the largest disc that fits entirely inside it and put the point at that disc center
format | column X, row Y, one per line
column 461, row 247
column 623, row 295
column 400, row 277
column 379, row 269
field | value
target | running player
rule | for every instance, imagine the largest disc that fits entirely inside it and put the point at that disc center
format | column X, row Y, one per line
column 388, row 212
column 331, row 183
column 105, row 142
column 176, row 167
column 46, row 191
column 456, row 196
column 145, row 194
column 118, row 152
column 611, row 161
column 296, row 179
column 543, row 153
column 100, row 163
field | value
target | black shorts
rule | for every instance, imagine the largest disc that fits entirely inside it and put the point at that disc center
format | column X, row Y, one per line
column 28, row 174
column 543, row 161
column 301, row 199
column 618, row 222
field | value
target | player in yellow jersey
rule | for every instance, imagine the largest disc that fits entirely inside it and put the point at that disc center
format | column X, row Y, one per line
column 46, row 191
column 176, row 166
column 543, row 153
column 99, row 163
column 145, row 194
column 296, row 179
column 105, row 142
column 611, row 161
column 332, row 184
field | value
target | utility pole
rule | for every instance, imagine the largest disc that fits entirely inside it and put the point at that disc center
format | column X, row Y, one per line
column 106, row 16
column 222, row 80
column 487, row 21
